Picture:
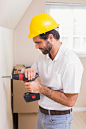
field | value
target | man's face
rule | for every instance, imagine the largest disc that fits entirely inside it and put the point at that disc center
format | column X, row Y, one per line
column 44, row 45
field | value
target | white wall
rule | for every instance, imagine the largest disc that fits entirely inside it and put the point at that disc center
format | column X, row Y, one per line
column 25, row 52
column 6, row 67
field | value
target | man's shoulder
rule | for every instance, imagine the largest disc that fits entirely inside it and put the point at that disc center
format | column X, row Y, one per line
column 71, row 59
column 70, row 56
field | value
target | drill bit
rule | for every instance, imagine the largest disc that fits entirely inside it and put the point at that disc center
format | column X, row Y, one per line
column 6, row 76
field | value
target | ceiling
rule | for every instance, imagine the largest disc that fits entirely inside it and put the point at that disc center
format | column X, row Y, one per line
column 11, row 12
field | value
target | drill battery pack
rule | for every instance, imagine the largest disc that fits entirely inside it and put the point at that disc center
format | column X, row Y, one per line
column 29, row 97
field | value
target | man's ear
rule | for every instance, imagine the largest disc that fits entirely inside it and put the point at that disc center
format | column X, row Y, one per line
column 50, row 38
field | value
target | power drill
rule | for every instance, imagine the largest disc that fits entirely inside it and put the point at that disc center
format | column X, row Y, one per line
column 28, row 97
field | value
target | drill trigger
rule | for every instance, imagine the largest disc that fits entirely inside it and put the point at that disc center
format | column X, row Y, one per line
column 26, row 80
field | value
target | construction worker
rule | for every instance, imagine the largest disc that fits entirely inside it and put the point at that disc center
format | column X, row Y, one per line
column 60, row 72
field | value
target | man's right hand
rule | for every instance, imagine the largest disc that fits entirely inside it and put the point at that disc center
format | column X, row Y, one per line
column 30, row 73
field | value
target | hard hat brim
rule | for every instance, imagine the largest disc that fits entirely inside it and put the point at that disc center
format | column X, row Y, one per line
column 31, row 36
column 34, row 35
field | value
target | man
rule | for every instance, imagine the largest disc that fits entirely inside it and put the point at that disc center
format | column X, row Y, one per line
column 60, row 72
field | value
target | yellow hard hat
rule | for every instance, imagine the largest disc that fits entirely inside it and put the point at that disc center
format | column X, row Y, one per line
column 41, row 23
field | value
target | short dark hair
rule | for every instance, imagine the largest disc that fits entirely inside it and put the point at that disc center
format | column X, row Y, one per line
column 53, row 32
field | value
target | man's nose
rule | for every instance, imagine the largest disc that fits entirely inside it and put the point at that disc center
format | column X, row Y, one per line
column 36, row 45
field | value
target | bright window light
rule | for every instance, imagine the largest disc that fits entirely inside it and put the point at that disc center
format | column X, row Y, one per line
column 72, row 20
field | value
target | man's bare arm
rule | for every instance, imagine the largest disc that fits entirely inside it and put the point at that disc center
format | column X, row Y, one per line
column 60, row 97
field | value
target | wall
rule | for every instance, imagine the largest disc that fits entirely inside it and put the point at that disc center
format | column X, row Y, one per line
column 6, row 66
column 25, row 47
column 81, row 103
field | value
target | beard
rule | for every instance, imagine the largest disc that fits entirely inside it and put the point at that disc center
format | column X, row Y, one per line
column 47, row 48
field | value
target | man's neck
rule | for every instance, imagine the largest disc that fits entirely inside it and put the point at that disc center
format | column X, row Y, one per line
column 55, row 49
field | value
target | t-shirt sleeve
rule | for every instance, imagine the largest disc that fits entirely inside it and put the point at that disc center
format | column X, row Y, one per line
column 72, row 78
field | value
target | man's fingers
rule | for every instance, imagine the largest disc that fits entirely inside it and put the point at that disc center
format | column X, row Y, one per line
column 30, row 73
column 29, row 88
column 25, row 72
column 33, row 73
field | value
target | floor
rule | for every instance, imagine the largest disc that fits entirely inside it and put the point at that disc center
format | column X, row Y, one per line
column 79, row 120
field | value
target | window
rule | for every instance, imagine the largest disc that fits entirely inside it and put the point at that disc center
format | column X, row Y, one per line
column 72, row 20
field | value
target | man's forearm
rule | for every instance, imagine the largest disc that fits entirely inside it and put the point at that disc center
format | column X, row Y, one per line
column 60, row 97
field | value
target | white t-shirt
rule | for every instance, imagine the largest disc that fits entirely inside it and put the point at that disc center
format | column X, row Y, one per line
column 64, row 73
